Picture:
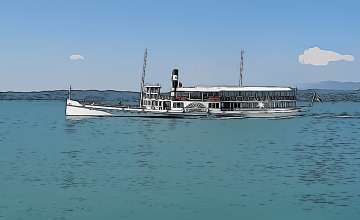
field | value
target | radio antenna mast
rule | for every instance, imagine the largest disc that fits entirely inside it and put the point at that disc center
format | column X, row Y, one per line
column 241, row 67
column 143, row 79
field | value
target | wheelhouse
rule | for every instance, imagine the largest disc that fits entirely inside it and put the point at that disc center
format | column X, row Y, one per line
column 153, row 99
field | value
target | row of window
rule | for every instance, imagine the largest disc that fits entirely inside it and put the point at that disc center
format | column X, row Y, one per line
column 181, row 105
column 254, row 105
column 152, row 89
column 232, row 105
column 199, row 95
column 258, row 93
column 153, row 103
column 241, row 98
column 263, row 98
column 151, row 96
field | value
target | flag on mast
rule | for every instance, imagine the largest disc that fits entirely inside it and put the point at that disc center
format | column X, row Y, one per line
column 316, row 98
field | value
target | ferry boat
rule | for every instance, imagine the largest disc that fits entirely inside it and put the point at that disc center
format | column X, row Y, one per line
column 198, row 101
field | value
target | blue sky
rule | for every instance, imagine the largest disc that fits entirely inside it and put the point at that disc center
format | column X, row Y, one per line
column 202, row 38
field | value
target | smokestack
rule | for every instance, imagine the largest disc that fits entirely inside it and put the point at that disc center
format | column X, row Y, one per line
column 174, row 82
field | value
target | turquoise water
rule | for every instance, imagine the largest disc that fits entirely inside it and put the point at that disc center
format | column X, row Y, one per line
column 135, row 168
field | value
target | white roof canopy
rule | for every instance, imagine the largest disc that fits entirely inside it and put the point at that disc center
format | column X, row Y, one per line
column 152, row 85
column 232, row 88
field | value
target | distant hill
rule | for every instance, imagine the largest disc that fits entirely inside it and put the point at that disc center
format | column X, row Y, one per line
column 107, row 96
column 331, row 85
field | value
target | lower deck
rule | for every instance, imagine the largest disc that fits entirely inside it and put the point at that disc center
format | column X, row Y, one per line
column 156, row 104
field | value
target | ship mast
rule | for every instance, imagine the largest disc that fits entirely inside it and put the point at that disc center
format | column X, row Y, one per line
column 143, row 79
column 241, row 67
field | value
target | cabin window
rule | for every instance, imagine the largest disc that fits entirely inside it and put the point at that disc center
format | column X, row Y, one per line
column 178, row 105
column 214, row 105
column 195, row 95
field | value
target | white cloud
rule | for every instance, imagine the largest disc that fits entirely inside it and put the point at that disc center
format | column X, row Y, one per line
column 318, row 57
column 76, row 57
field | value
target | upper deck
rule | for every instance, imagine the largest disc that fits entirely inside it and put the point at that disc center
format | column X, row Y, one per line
column 224, row 97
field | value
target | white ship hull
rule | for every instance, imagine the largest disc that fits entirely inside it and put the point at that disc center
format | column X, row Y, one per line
column 74, row 108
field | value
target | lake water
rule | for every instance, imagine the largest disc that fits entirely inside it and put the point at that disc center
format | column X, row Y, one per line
column 144, row 168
